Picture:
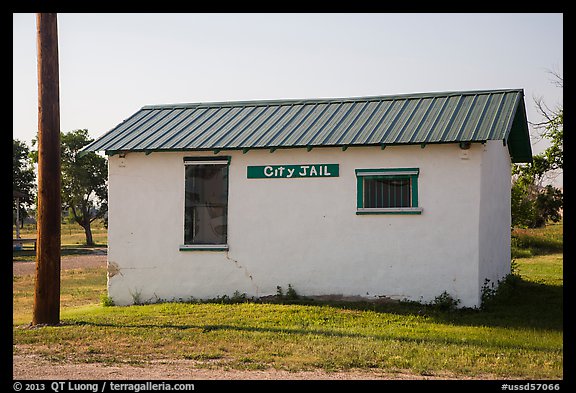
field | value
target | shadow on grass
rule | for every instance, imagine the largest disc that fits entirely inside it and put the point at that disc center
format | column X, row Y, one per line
column 525, row 304
column 390, row 335
column 28, row 254
column 520, row 304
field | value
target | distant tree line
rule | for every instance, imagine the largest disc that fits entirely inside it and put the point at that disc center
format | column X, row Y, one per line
column 84, row 180
column 23, row 180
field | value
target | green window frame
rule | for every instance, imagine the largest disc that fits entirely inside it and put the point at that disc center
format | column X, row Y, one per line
column 387, row 191
column 206, row 203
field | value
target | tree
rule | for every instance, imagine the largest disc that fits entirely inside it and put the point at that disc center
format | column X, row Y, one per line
column 84, row 187
column 23, row 177
column 533, row 202
column 551, row 128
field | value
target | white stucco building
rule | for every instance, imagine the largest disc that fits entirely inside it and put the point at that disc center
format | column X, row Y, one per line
column 392, row 196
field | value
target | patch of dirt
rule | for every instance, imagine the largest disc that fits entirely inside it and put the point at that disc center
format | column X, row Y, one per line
column 66, row 262
column 29, row 366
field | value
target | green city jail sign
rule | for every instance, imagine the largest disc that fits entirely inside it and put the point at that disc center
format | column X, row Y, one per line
column 292, row 171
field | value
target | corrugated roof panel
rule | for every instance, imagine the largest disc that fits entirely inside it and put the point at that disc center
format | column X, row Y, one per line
column 460, row 118
column 290, row 133
column 444, row 121
column 222, row 127
column 451, row 125
column 210, row 129
column 357, row 125
column 244, row 126
column 176, row 118
column 341, row 112
column 232, row 126
column 155, row 129
column 186, row 119
column 136, row 135
column 491, row 120
column 366, row 136
column 125, row 128
column 357, row 128
column 312, row 123
column 275, row 116
column 506, row 115
column 322, row 122
column 346, row 123
column 403, row 118
column 387, row 122
column 279, row 128
column 196, row 131
column 422, row 117
column 431, row 121
column 404, row 127
column 473, row 116
column 181, row 130
column 448, row 117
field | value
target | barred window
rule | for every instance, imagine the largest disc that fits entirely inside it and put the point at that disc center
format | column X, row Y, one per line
column 387, row 191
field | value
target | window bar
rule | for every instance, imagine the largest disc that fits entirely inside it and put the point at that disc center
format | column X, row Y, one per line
column 367, row 185
column 364, row 193
column 389, row 196
column 409, row 188
column 381, row 183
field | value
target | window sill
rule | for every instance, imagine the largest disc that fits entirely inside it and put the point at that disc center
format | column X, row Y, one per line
column 203, row 247
column 393, row 210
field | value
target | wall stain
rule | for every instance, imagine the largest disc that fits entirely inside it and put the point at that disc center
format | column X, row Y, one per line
column 113, row 269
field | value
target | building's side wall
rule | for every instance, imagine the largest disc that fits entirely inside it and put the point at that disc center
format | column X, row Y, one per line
column 495, row 214
column 302, row 232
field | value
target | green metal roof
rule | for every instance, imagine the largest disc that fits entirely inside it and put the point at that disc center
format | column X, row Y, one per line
column 449, row 117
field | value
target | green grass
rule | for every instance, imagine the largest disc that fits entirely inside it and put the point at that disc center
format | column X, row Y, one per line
column 539, row 241
column 518, row 335
column 72, row 234
column 28, row 254
column 78, row 287
column 73, row 240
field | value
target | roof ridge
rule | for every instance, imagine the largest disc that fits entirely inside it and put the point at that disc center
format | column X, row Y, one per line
column 296, row 101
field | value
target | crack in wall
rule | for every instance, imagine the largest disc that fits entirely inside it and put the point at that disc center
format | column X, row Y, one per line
column 246, row 272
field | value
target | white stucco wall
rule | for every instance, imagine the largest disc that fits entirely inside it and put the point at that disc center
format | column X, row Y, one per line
column 495, row 214
column 304, row 231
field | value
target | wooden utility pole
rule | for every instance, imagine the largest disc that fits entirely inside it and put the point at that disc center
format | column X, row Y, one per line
column 47, row 287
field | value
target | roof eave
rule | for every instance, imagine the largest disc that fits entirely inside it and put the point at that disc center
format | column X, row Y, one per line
column 517, row 137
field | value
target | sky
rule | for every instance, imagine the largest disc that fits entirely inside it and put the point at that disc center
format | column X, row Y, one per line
column 113, row 64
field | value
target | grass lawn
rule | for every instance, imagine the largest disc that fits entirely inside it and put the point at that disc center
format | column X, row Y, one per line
column 518, row 335
column 73, row 240
column 72, row 234
column 539, row 241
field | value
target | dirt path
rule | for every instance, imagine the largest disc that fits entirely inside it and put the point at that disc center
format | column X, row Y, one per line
column 34, row 367
column 67, row 262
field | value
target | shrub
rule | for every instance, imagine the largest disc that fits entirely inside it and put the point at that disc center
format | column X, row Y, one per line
column 444, row 302
column 106, row 301
column 492, row 294
column 290, row 294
